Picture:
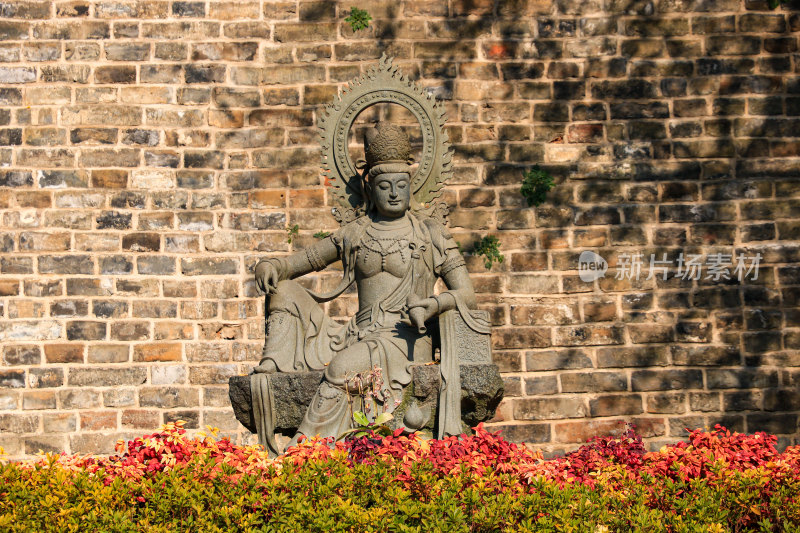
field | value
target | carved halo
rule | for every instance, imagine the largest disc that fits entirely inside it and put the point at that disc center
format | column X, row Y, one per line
column 384, row 83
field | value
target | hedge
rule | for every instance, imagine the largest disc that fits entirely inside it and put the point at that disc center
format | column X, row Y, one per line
column 712, row 481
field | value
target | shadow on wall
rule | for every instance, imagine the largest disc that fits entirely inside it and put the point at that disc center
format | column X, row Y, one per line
column 671, row 135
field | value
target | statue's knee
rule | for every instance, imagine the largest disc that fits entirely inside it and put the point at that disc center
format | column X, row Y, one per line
column 337, row 370
column 344, row 367
column 286, row 296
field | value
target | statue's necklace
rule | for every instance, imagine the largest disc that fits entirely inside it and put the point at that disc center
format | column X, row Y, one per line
column 386, row 242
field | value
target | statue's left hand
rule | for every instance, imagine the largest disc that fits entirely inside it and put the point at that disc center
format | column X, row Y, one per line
column 430, row 305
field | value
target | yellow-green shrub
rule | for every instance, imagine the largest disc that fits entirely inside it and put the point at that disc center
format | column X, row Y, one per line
column 713, row 481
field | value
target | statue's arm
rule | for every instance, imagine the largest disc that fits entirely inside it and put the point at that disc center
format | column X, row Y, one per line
column 459, row 286
column 459, row 293
column 269, row 272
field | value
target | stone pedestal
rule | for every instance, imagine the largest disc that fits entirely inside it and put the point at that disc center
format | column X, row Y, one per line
column 481, row 392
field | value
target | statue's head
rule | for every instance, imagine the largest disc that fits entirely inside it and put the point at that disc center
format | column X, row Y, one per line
column 387, row 169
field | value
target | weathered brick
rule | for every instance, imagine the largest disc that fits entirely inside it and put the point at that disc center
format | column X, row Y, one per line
column 666, row 403
column 17, row 74
column 37, row 445
column 188, row 9
column 108, row 353
column 13, row 423
column 115, row 264
column 98, row 420
column 141, row 242
column 93, row 443
column 40, row 378
column 109, row 309
column 587, row 335
column 44, row 242
column 155, row 265
column 106, row 377
column 651, row 333
column 543, row 385
column 169, row 397
column 547, row 313
column 93, row 136
column 181, row 30
column 140, row 418
column 193, row 95
column 57, row 158
column 170, row 51
column 157, row 352
column 140, row 137
column 66, row 264
column 549, row 408
column 616, row 405
column 208, row 352
column 724, row 45
column 593, row 382
column 79, row 398
column 160, row 73
column 69, row 308
column 38, row 199
column 704, row 355
column 59, row 423
column 86, row 330
column 741, row 401
column 211, row 374
column 43, row 288
column 9, row 400
column 533, row 433
column 155, row 309
column 570, row 432
column 773, row 423
column 119, row 397
column 194, row 267
column 115, row 74
column 16, row 179
column 21, row 355
column 744, row 378
column 652, row 380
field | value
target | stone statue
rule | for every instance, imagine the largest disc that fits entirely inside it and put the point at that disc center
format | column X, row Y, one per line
column 393, row 246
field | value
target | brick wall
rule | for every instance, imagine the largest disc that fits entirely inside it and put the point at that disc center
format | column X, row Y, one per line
column 153, row 150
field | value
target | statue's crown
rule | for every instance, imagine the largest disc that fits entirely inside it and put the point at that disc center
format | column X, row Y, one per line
column 386, row 143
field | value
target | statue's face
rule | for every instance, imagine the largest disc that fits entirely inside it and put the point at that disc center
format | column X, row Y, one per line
column 391, row 194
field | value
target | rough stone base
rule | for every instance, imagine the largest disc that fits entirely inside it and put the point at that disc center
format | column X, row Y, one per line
column 481, row 392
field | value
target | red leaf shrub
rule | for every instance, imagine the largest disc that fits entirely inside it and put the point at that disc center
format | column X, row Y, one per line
column 715, row 480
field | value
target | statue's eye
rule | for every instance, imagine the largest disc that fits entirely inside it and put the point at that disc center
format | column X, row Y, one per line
column 402, row 185
column 383, row 186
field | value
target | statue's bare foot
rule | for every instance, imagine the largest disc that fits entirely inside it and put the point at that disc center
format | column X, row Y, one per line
column 266, row 366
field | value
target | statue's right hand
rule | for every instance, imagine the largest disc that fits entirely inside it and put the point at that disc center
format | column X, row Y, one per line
column 266, row 277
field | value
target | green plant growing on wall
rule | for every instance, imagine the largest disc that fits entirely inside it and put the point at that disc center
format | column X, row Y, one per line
column 358, row 19
column 292, row 232
column 489, row 248
column 321, row 234
column 535, row 185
